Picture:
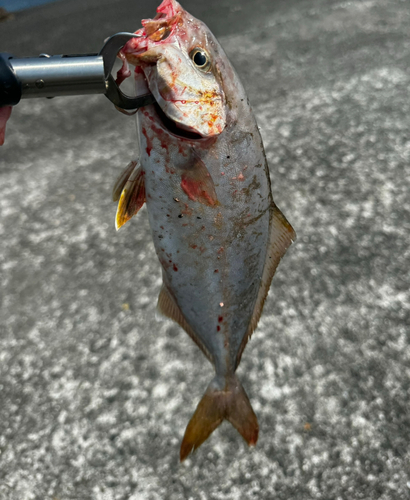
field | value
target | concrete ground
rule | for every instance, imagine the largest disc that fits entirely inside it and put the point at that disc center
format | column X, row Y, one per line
column 95, row 389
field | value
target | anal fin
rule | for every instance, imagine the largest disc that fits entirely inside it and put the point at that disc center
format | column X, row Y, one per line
column 169, row 308
column 281, row 235
column 132, row 197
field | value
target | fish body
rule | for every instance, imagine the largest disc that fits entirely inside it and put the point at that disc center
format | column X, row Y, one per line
column 203, row 174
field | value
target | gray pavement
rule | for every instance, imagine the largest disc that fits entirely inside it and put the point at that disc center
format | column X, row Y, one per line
column 96, row 389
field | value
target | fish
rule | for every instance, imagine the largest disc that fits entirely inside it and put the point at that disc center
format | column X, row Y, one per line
column 5, row 113
column 203, row 175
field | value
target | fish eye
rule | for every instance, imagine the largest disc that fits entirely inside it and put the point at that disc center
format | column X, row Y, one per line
column 200, row 58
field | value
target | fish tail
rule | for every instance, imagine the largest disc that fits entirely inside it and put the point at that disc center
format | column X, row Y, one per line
column 232, row 404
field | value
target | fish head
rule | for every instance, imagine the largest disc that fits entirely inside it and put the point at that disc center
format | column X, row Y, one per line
column 176, row 54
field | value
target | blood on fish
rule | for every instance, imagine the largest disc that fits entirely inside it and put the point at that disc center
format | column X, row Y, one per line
column 174, row 267
column 195, row 189
column 218, row 328
column 220, row 319
column 124, row 72
column 149, row 142
column 187, row 210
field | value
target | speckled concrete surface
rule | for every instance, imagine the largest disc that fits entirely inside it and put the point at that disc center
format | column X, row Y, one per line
column 96, row 389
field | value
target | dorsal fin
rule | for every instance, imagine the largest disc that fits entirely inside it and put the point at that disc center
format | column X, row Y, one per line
column 169, row 308
column 280, row 237
column 132, row 197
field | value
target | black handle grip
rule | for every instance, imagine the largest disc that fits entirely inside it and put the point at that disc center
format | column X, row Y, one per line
column 10, row 87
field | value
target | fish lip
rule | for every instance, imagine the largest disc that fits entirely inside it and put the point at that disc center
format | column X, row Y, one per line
column 171, row 126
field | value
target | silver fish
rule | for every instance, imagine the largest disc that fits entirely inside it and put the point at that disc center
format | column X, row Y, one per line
column 203, row 174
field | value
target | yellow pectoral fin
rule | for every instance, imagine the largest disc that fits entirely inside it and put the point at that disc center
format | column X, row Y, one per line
column 132, row 197
column 122, row 179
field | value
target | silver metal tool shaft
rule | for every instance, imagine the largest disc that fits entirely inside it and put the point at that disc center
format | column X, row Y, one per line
column 50, row 76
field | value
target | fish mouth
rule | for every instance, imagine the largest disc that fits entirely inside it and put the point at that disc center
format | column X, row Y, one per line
column 172, row 126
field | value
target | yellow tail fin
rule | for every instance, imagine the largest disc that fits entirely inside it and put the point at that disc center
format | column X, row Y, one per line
column 231, row 404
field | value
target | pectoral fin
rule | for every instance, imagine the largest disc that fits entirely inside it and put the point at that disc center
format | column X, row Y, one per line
column 132, row 197
column 122, row 179
column 198, row 185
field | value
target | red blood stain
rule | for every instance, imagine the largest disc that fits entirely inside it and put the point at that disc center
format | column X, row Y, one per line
column 123, row 73
column 220, row 319
column 174, row 267
column 149, row 142
column 195, row 189
column 157, row 130
column 193, row 246
column 187, row 210
column 162, row 227
column 218, row 328
column 216, row 271
column 181, row 149
column 165, row 264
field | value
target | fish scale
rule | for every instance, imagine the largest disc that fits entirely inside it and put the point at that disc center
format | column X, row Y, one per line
column 216, row 230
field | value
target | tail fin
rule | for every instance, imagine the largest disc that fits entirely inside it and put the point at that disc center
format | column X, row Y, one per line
column 231, row 404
